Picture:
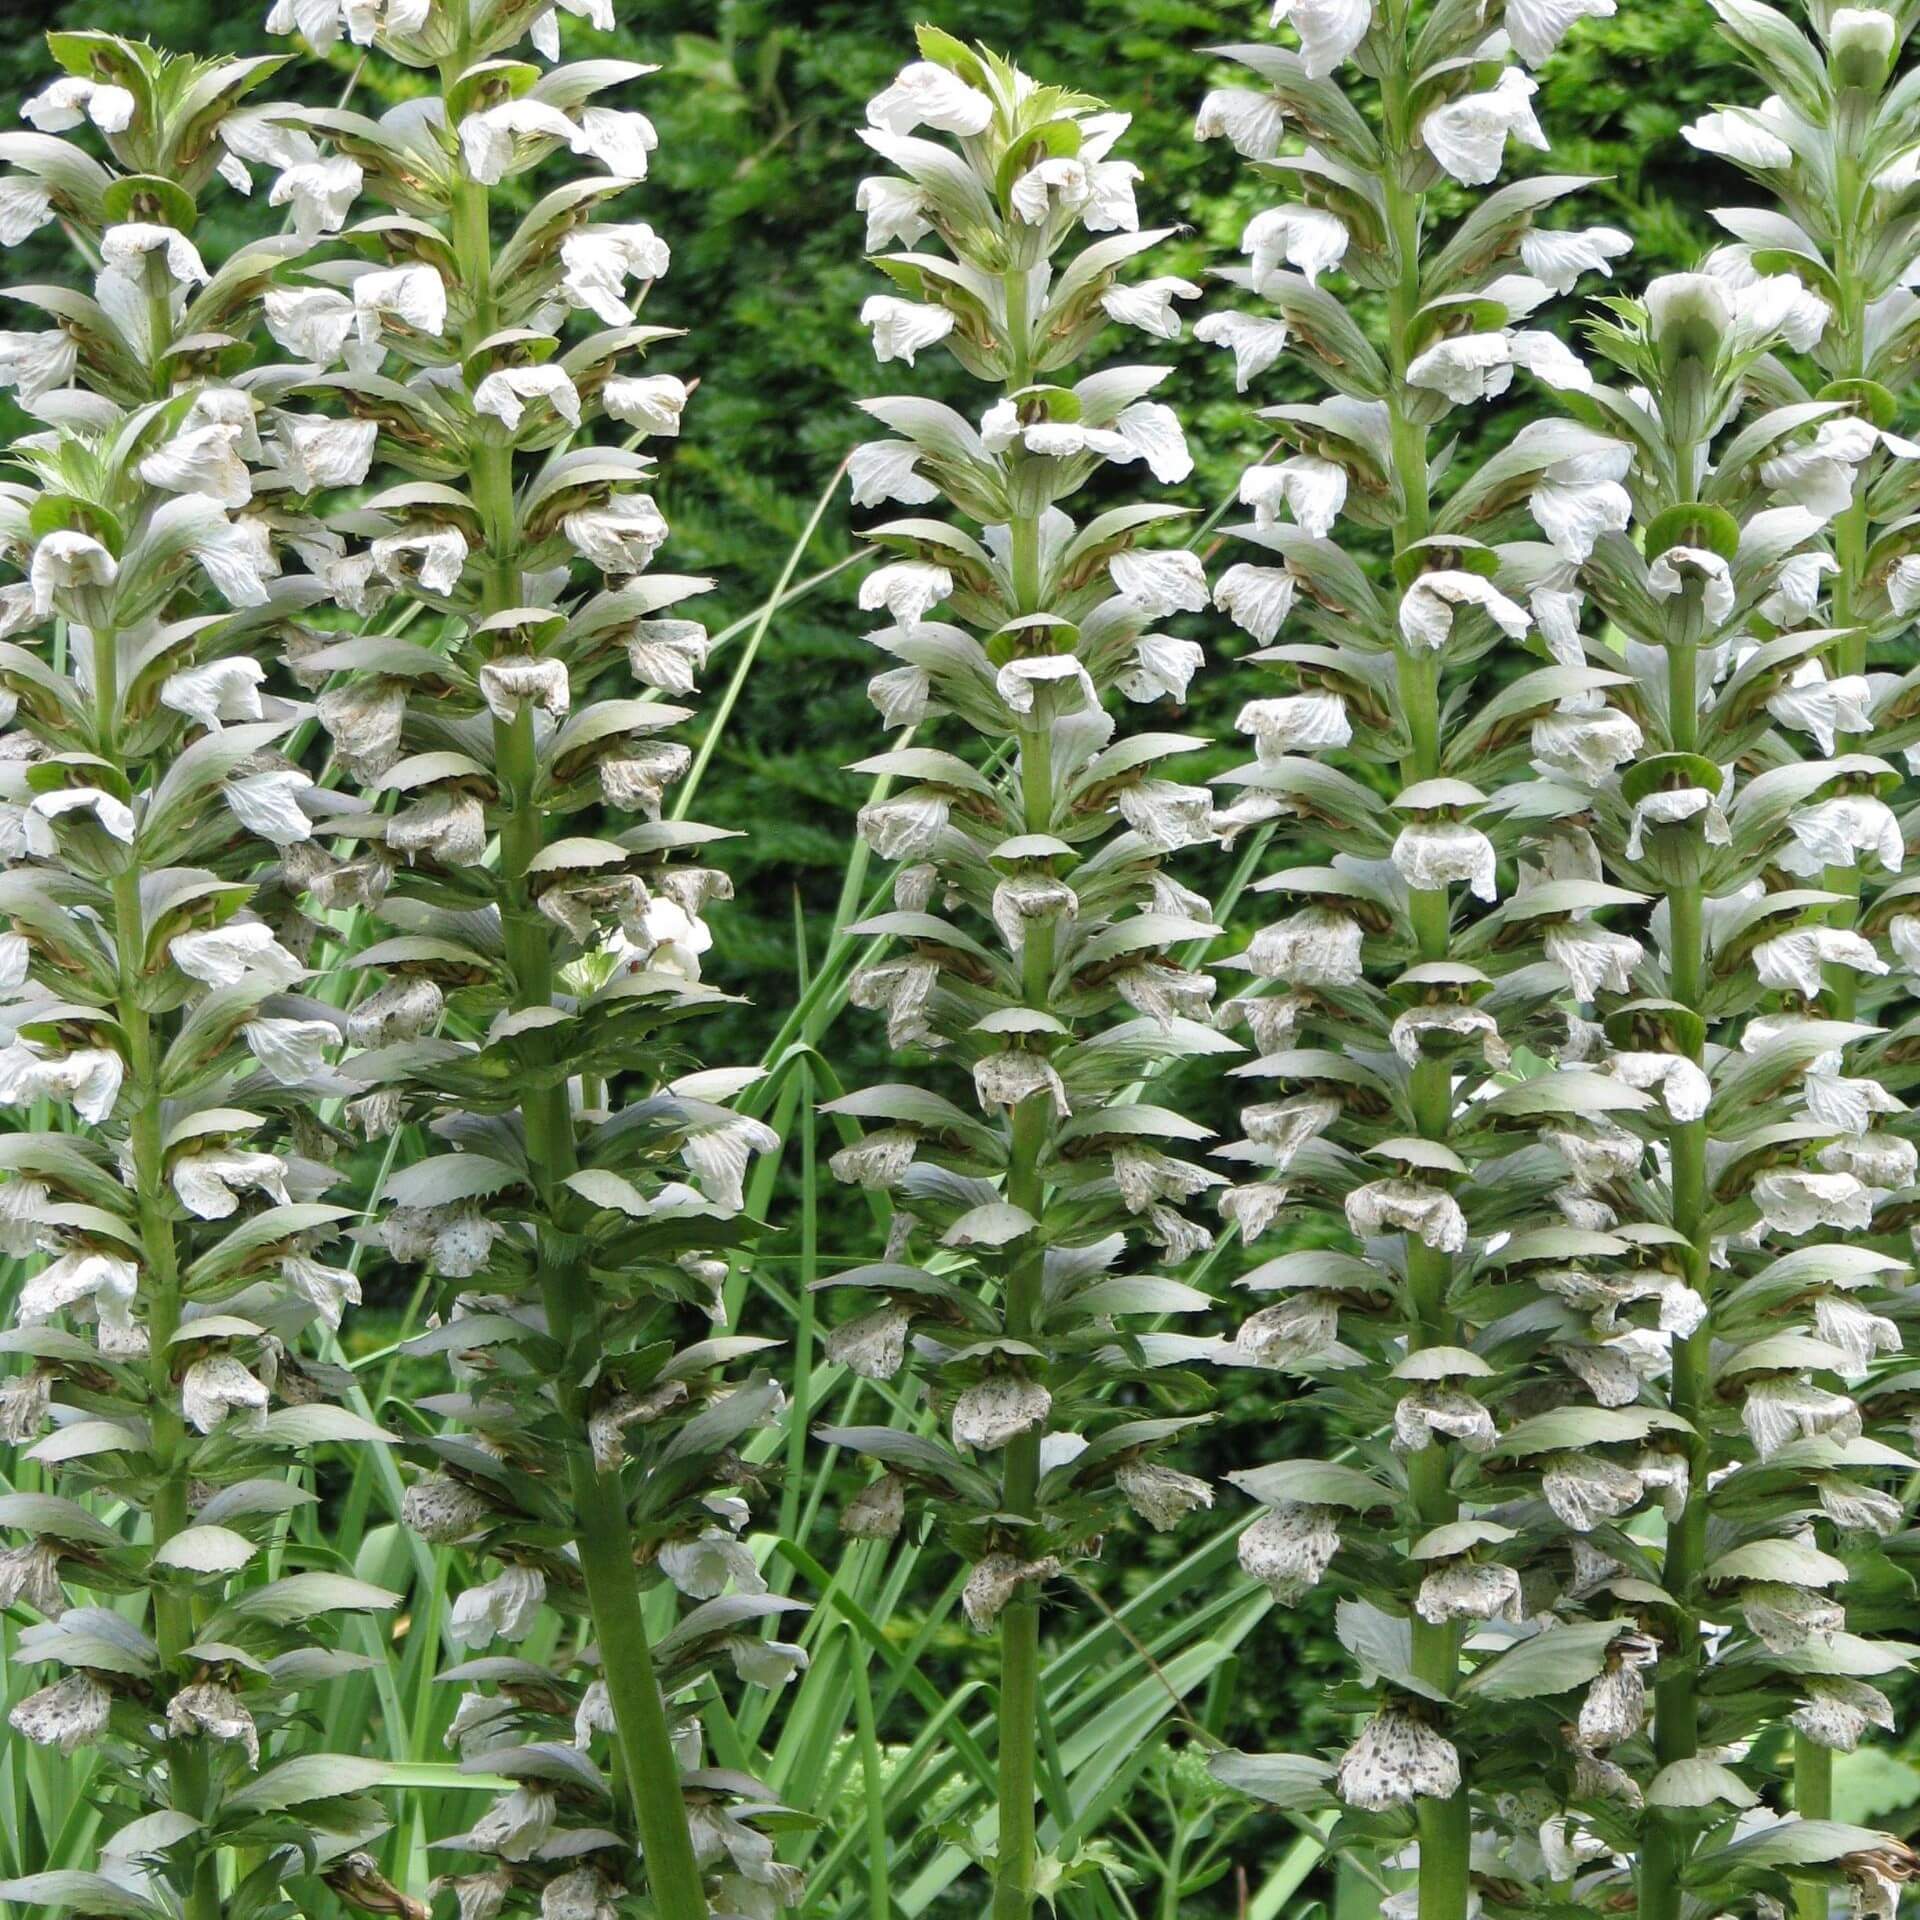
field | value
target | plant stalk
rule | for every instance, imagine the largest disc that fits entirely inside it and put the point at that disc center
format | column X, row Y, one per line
column 1445, row 1826
column 604, row 1533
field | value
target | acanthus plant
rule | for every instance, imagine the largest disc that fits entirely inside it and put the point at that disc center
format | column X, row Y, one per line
column 1428, row 1102
column 1033, row 913
column 531, row 997
column 165, row 1181
column 1837, row 143
column 1723, row 782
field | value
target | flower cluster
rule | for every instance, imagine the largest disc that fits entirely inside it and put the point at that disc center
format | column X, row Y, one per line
column 504, row 817
column 1036, row 931
column 1589, row 1141
column 162, row 1056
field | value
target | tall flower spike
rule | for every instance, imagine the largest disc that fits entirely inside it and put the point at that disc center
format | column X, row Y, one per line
column 1031, row 902
column 165, row 1170
column 1744, row 1226
column 1417, row 1103
column 1836, row 144
column 543, row 907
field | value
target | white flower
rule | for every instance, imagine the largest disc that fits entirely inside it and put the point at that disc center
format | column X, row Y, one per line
column 1388, row 1206
column 1254, row 123
column 313, row 322
column 1468, row 136
column 1329, row 30
column 1560, row 257
column 415, row 296
column 321, row 193
column 70, row 1714
column 1318, row 947
column 26, row 205
column 219, row 1385
column 224, row 956
column 124, row 251
column 716, row 1151
column 652, row 402
column 896, row 210
column 1427, row 608
column 1290, row 1548
column 1256, row 599
column 36, row 363
column 487, row 138
column 1254, row 340
column 1685, row 1089
column 204, row 457
column 1395, row 1760
column 221, row 690
column 1792, row 961
column 1671, row 571
column 1161, row 581
column 1307, row 238
column 621, row 537
column 1536, row 27
column 520, row 680
column 701, row 1568
column 1779, row 1409
column 269, row 804
column 1295, row 723
column 1742, row 135
column 998, row 1409
column 1053, row 185
column 314, row 452
column 1148, row 305
column 71, row 100
column 596, row 266
column 1431, row 854
column 1837, row 832
column 321, row 22
column 505, row 392
column 64, row 559
column 907, row 589
column 114, row 816
column 1314, row 490
column 103, row 1282
column 505, row 1608
column 209, row 1183
column 925, row 95
column 901, row 328
column 1674, row 807
column 430, row 558
column 1794, row 1202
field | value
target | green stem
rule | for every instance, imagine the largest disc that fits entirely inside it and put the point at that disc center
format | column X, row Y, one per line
column 1676, row 1708
column 1017, row 1849
column 1445, row 1826
column 604, row 1532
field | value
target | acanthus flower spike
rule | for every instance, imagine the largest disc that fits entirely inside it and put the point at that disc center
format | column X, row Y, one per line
column 177, row 1218
column 1036, row 918
column 537, row 992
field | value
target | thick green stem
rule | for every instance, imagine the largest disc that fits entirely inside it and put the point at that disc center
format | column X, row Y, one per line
column 1445, row 1825
column 1016, row 1852
column 1852, row 534
column 1676, row 1709
column 604, row 1532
